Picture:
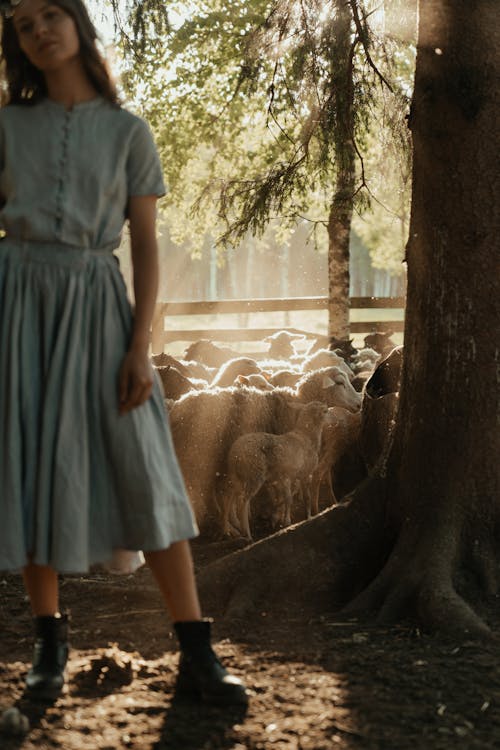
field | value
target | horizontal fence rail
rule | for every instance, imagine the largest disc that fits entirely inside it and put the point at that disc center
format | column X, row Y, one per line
column 162, row 335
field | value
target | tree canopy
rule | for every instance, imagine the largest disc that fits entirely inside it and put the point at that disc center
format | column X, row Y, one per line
column 243, row 99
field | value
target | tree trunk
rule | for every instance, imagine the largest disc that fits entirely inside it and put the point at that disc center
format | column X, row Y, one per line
column 339, row 220
column 419, row 539
column 445, row 481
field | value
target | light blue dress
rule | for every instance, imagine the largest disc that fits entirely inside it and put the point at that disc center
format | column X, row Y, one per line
column 78, row 480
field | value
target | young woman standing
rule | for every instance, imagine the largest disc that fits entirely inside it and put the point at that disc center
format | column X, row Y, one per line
column 87, row 464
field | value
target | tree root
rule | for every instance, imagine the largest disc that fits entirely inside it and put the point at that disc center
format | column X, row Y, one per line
column 408, row 586
column 352, row 551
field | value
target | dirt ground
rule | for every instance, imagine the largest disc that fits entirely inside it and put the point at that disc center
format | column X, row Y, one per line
column 316, row 683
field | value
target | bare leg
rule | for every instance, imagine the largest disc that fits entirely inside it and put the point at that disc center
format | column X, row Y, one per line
column 42, row 585
column 174, row 573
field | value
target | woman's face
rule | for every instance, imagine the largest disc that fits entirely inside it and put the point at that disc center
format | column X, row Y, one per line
column 47, row 34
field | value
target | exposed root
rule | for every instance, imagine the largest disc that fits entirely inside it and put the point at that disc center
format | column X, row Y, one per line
column 405, row 587
column 398, row 573
column 444, row 610
column 485, row 566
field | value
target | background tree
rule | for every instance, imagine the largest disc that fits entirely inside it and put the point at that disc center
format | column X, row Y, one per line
column 420, row 537
column 274, row 104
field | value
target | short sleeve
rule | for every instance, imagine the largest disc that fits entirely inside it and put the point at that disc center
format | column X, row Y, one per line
column 144, row 173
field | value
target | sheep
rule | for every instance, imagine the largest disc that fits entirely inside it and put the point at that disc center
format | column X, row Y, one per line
column 326, row 358
column 340, row 434
column 365, row 359
column 164, row 360
column 343, row 347
column 209, row 353
column 380, row 341
column 206, row 423
column 282, row 461
column 230, row 370
column 330, row 385
column 256, row 380
column 387, row 375
column 288, row 378
column 359, row 380
column 380, row 403
column 175, row 384
column 190, row 369
column 281, row 344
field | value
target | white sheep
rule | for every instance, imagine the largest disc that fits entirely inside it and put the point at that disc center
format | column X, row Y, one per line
column 340, row 434
column 175, row 384
column 229, row 371
column 205, row 424
column 257, row 380
column 281, row 346
column 330, row 385
column 208, row 353
column 283, row 462
column 285, row 378
column 326, row 358
column 365, row 359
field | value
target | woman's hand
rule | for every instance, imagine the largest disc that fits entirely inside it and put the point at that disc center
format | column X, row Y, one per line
column 135, row 381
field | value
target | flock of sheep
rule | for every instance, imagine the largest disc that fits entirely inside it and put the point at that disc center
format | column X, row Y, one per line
column 269, row 441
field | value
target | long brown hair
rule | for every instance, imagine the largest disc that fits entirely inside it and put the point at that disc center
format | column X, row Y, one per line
column 23, row 83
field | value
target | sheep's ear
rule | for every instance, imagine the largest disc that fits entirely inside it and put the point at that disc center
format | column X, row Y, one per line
column 243, row 379
column 327, row 382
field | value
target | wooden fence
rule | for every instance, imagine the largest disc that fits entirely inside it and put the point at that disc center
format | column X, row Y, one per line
column 163, row 334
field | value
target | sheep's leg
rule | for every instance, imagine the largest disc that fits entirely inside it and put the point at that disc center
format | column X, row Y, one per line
column 234, row 520
column 329, row 482
column 277, row 506
column 312, row 498
column 287, row 497
column 244, row 506
column 230, row 526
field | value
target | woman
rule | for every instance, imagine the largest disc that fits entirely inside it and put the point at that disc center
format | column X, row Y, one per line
column 88, row 466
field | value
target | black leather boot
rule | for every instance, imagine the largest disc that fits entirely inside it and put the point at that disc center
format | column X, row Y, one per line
column 50, row 654
column 201, row 674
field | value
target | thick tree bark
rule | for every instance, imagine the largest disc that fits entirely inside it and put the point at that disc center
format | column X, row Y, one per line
column 445, row 491
column 408, row 542
column 339, row 221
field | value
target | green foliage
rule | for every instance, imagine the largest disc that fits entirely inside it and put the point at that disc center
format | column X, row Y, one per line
column 244, row 99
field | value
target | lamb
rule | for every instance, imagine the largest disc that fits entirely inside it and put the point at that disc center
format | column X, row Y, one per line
column 330, row 385
column 205, row 424
column 261, row 459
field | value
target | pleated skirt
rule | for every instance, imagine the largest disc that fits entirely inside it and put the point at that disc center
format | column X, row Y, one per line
column 78, row 481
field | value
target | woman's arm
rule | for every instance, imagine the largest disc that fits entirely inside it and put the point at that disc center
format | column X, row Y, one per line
column 136, row 374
